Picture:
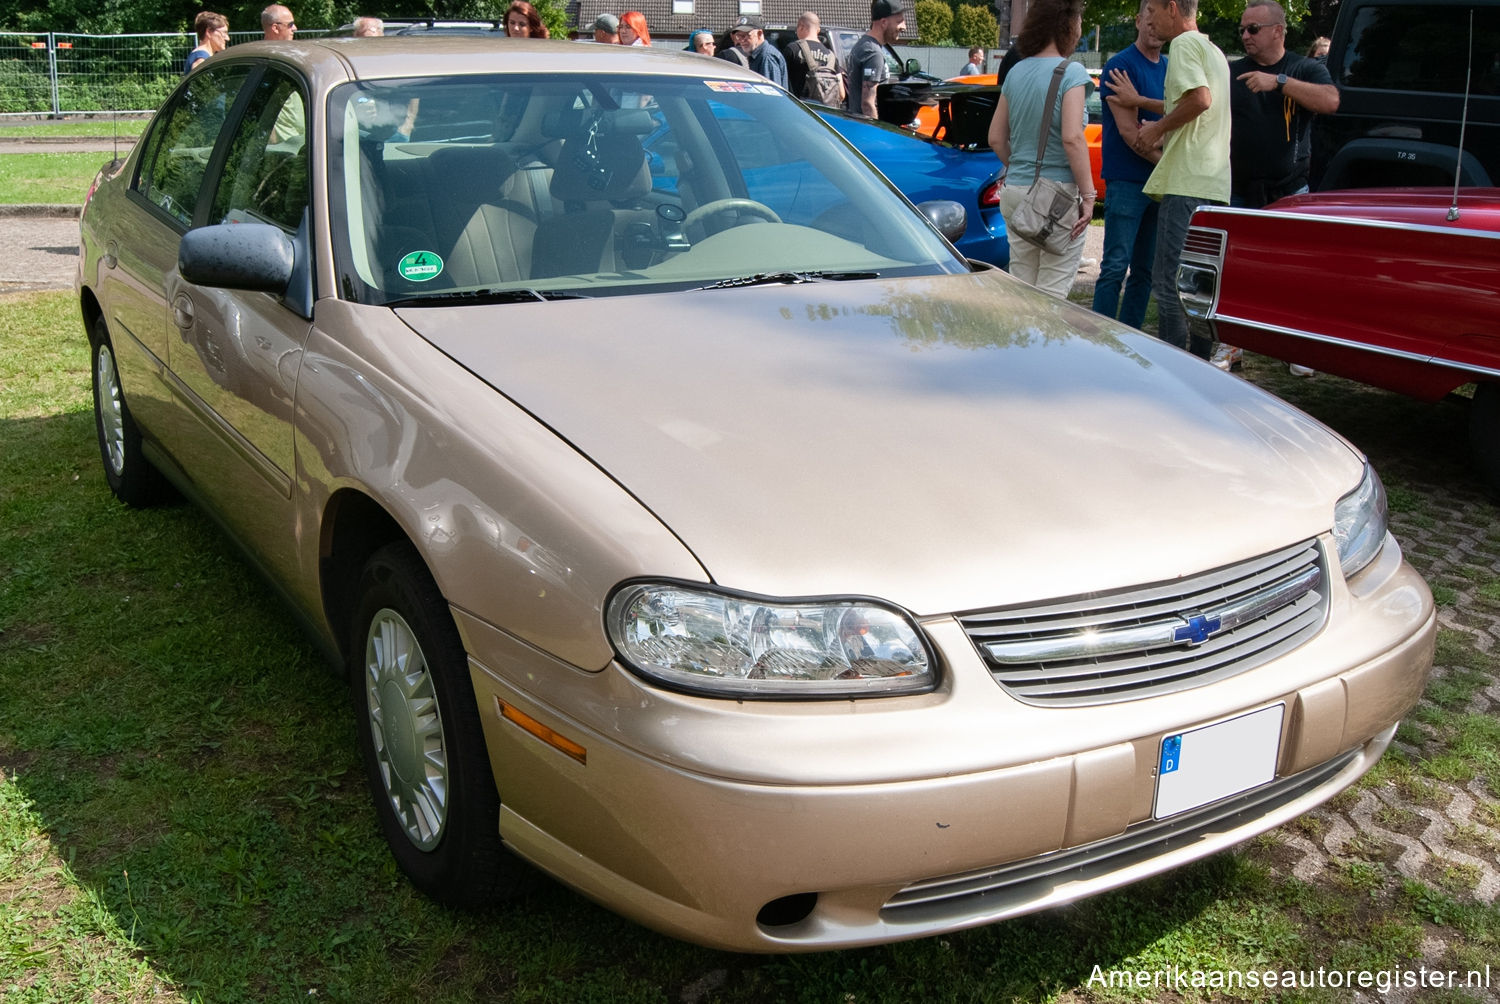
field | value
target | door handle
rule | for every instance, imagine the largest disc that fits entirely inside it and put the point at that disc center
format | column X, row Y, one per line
column 182, row 311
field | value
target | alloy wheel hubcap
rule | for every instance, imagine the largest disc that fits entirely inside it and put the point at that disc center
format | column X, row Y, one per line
column 111, row 410
column 407, row 729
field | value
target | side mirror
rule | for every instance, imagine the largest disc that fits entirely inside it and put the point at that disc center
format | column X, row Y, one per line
column 913, row 67
column 949, row 217
column 254, row 256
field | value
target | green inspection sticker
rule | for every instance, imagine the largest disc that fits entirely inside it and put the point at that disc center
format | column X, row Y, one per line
column 420, row 266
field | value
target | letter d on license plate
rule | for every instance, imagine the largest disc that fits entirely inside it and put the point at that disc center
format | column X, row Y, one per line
column 1217, row 761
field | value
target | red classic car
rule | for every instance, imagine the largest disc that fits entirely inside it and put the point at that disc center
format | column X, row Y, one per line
column 1395, row 287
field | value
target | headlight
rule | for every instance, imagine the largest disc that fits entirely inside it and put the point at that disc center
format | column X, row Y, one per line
column 747, row 647
column 1359, row 523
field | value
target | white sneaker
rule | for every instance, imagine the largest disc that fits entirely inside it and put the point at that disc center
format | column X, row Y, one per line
column 1227, row 357
column 1297, row 369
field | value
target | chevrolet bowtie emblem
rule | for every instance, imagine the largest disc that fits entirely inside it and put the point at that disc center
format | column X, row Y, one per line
column 1197, row 629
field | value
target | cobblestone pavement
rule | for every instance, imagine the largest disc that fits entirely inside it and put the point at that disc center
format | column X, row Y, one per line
column 1410, row 824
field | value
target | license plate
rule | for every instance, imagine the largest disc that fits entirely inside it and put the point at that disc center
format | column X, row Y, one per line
column 1217, row 761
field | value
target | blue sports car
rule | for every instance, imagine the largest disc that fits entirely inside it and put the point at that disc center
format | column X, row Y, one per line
column 924, row 169
column 920, row 167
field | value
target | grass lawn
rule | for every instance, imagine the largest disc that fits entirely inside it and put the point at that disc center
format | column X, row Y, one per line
column 104, row 126
column 183, row 817
column 60, row 176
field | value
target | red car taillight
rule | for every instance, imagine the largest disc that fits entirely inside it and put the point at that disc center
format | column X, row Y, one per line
column 989, row 196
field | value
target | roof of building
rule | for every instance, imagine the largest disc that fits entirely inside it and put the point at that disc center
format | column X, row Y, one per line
column 718, row 15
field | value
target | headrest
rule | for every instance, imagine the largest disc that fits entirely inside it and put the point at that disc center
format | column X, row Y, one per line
column 471, row 171
column 561, row 123
column 598, row 166
column 631, row 120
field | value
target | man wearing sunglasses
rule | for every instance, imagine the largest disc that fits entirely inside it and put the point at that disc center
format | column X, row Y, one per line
column 1193, row 133
column 1272, row 101
column 277, row 24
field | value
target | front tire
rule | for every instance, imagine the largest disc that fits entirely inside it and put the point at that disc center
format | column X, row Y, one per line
column 129, row 474
column 420, row 735
column 1484, row 434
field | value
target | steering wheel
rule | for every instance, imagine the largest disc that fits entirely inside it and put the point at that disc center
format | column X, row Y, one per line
column 724, row 205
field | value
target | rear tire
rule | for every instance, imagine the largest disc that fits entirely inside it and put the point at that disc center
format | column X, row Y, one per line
column 129, row 474
column 1484, row 435
column 425, row 756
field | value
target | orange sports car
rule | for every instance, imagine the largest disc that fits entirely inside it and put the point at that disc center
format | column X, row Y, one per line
column 928, row 118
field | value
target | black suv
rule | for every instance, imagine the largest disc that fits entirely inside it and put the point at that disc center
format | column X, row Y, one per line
column 1401, row 67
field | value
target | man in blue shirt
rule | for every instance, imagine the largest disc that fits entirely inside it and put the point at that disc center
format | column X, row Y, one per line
column 749, row 36
column 1129, row 214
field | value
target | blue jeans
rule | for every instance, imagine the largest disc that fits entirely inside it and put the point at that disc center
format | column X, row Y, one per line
column 1172, row 219
column 1129, row 247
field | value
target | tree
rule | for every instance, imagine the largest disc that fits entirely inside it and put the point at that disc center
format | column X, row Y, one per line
column 974, row 25
column 934, row 22
column 1219, row 19
column 117, row 17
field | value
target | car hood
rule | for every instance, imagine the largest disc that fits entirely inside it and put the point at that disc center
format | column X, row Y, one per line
column 944, row 443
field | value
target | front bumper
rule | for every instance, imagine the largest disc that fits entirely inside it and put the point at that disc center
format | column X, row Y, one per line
column 659, row 831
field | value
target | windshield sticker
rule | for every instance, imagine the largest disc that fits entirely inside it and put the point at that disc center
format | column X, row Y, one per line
column 420, row 266
column 741, row 87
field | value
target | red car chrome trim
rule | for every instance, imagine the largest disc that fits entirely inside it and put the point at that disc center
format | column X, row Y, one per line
column 1363, row 221
column 1218, row 318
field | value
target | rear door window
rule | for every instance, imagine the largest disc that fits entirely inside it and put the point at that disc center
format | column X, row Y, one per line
column 176, row 157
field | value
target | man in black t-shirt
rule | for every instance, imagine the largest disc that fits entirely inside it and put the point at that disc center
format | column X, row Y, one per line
column 1273, row 97
column 867, row 68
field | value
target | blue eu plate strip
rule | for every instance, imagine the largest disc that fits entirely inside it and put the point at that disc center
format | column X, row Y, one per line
column 1171, row 754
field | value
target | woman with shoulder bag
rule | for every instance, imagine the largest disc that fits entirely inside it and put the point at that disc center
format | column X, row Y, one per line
column 1043, row 149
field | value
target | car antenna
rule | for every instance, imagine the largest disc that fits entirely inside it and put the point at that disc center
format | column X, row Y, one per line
column 1463, row 121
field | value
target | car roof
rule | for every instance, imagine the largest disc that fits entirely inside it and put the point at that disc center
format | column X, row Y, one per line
column 336, row 59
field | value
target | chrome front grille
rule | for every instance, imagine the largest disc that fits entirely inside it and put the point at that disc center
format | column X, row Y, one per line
column 1157, row 639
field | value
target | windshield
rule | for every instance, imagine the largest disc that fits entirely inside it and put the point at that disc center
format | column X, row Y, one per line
column 556, row 186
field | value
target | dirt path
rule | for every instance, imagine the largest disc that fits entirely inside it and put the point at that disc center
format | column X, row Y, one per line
column 40, row 252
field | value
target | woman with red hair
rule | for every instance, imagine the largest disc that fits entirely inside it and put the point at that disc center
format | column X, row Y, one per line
column 633, row 30
column 522, row 21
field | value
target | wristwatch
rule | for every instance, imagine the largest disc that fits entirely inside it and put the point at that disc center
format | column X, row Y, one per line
column 1280, row 80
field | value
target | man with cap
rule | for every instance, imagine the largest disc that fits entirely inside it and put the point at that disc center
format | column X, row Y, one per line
column 867, row 68
column 607, row 29
column 750, row 49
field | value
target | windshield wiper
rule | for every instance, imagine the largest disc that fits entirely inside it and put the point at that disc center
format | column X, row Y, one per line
column 787, row 278
column 478, row 296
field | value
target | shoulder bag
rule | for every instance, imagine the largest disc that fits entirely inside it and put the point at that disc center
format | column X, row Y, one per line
column 1046, row 215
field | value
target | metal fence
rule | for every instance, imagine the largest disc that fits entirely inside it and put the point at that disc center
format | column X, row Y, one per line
column 58, row 74
column 52, row 73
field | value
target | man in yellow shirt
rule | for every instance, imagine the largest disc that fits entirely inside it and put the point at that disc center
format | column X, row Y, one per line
column 1194, row 165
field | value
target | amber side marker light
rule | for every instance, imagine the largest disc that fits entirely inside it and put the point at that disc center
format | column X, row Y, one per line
column 552, row 738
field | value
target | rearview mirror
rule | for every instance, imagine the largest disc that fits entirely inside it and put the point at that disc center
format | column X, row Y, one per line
column 949, row 217
column 913, row 67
